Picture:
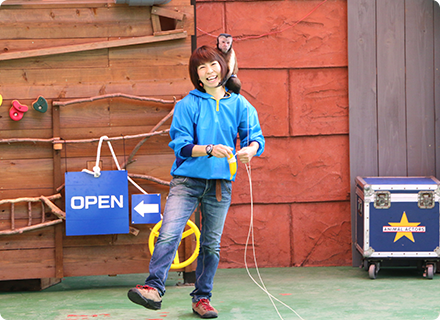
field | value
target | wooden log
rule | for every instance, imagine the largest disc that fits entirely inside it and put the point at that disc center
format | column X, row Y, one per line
column 33, row 199
column 150, row 178
column 12, row 216
column 30, row 227
column 58, row 141
column 43, row 215
column 113, row 95
column 30, row 213
column 55, row 210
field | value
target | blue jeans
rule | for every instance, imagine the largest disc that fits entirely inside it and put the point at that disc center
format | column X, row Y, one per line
column 184, row 197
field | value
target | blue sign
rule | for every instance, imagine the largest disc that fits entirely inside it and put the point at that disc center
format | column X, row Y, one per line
column 145, row 208
column 96, row 205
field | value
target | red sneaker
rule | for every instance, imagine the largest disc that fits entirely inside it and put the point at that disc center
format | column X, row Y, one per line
column 204, row 309
column 145, row 296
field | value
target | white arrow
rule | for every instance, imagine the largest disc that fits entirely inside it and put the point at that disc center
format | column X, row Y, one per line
column 143, row 208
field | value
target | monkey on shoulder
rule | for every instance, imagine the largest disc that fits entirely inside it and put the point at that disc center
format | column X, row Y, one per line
column 224, row 45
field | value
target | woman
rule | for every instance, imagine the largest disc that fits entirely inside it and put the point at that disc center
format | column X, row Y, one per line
column 204, row 132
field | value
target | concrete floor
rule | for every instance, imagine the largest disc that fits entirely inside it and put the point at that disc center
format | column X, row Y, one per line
column 314, row 293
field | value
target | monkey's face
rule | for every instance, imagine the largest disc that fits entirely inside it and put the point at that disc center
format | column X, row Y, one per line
column 210, row 74
column 224, row 43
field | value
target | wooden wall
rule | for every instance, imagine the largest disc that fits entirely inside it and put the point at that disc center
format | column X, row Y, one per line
column 394, row 81
column 297, row 79
column 48, row 48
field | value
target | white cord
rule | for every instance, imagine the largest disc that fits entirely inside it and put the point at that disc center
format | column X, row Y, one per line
column 97, row 170
column 251, row 235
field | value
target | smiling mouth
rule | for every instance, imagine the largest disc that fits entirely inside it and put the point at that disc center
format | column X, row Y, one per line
column 211, row 78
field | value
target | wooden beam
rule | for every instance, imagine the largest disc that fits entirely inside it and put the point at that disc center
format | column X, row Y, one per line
column 172, row 14
column 91, row 46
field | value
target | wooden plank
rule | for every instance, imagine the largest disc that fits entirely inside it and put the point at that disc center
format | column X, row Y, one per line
column 87, row 59
column 362, row 96
column 39, row 3
column 59, row 251
column 37, row 133
column 166, row 12
column 87, row 261
column 437, row 84
column 27, row 264
column 106, row 240
column 391, row 113
column 50, row 14
column 76, row 4
column 86, row 75
column 91, row 46
column 59, row 30
column 12, row 45
column 38, row 174
column 419, row 83
column 170, row 87
column 155, row 22
column 25, row 151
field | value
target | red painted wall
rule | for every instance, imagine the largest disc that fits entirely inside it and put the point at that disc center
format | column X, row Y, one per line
column 297, row 78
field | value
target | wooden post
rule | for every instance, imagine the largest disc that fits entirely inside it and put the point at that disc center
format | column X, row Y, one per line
column 57, row 181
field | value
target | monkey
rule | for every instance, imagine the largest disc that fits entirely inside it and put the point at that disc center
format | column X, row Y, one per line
column 224, row 45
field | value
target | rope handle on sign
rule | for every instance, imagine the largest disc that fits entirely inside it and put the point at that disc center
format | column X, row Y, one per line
column 97, row 170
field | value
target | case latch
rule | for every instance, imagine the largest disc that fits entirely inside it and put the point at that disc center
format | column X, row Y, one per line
column 426, row 199
column 382, row 200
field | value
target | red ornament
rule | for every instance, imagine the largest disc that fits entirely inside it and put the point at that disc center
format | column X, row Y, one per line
column 17, row 110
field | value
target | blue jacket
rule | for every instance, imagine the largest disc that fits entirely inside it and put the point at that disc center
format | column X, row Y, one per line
column 199, row 119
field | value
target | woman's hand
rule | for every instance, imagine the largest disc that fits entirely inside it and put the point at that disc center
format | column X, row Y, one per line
column 221, row 151
column 247, row 153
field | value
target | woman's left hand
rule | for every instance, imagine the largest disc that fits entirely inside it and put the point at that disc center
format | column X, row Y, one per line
column 247, row 153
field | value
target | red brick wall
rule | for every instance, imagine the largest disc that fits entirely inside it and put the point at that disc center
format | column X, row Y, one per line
column 298, row 81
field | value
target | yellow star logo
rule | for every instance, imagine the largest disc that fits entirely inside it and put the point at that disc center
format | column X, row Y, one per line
column 404, row 224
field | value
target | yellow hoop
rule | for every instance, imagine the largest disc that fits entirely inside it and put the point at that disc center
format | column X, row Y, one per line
column 177, row 264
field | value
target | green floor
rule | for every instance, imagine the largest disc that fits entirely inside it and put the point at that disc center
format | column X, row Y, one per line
column 314, row 293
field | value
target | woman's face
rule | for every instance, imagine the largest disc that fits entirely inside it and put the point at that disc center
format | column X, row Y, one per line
column 209, row 74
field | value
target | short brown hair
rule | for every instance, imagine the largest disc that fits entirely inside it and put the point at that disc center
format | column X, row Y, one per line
column 203, row 55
